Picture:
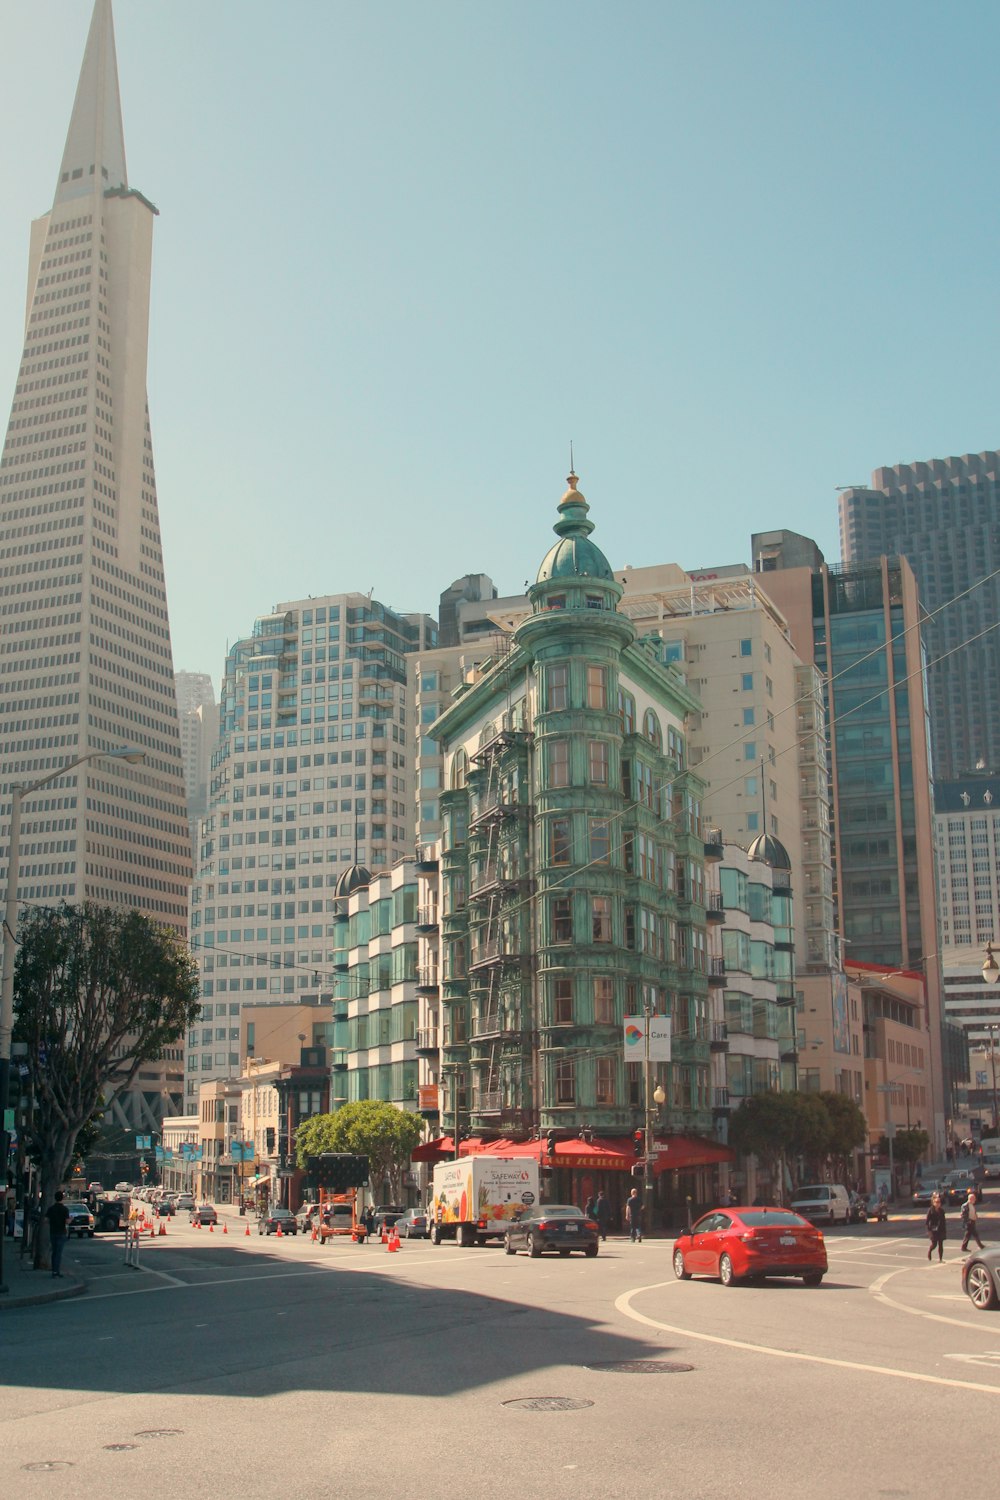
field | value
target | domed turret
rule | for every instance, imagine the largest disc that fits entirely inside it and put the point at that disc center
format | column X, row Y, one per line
column 574, row 555
column 351, row 880
column 769, row 851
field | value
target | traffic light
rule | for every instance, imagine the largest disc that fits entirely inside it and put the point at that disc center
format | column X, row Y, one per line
column 550, row 1144
column 639, row 1142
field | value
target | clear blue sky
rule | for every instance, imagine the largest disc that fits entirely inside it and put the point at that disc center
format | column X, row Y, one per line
column 739, row 253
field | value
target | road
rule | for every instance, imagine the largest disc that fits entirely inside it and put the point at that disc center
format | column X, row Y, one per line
column 246, row 1367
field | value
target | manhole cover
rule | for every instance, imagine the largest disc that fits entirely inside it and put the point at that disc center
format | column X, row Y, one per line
column 48, row 1466
column 548, row 1403
column 120, row 1447
column 160, row 1432
column 641, row 1367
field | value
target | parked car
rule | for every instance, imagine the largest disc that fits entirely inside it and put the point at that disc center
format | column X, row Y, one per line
column 307, row 1216
column 552, row 1226
column 275, row 1219
column 124, row 1187
column 981, row 1279
column 822, row 1203
column 414, row 1225
column 749, row 1244
column 925, row 1190
column 387, row 1217
column 204, row 1214
column 80, row 1222
column 165, row 1208
column 184, row 1203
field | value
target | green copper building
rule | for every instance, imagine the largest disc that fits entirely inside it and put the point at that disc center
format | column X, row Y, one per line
column 571, row 880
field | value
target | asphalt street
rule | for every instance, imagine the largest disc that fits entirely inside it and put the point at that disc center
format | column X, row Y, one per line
column 246, row 1366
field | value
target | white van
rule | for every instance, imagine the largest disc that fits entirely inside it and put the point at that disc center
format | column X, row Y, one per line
column 822, row 1203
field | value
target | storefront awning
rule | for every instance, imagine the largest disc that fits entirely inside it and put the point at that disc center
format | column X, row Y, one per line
column 255, row 1181
column 678, row 1152
column 600, row 1153
column 436, row 1150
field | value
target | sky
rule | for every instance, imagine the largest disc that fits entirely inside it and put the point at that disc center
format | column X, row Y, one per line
column 739, row 255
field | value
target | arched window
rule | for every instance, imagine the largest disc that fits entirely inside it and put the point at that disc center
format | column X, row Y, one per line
column 489, row 732
column 459, row 770
column 651, row 729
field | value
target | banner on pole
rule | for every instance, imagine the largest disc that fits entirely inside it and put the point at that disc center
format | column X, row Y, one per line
column 635, row 1038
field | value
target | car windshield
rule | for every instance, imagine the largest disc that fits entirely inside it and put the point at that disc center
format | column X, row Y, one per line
column 761, row 1219
column 559, row 1211
column 811, row 1195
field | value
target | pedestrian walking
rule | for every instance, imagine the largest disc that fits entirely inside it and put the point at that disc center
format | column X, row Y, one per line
column 602, row 1213
column 58, row 1217
column 937, row 1227
column 633, row 1216
column 590, row 1206
column 969, row 1220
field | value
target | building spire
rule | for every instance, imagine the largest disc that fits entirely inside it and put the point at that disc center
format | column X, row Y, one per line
column 95, row 143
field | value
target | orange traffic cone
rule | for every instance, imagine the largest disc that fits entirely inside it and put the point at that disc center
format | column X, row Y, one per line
column 247, row 1232
column 395, row 1238
column 163, row 1227
column 385, row 1234
column 197, row 1223
column 315, row 1234
column 279, row 1232
column 152, row 1232
column 225, row 1228
column 211, row 1227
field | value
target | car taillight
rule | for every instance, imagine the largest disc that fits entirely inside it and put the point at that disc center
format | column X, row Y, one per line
column 544, row 1225
column 480, row 1223
column 589, row 1224
column 749, row 1234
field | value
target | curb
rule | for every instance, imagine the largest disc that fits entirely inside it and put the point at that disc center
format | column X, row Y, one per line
column 37, row 1299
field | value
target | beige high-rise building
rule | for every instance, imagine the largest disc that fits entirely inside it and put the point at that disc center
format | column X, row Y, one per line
column 199, row 721
column 85, row 657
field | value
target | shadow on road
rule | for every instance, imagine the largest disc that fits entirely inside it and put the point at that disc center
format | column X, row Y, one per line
column 279, row 1325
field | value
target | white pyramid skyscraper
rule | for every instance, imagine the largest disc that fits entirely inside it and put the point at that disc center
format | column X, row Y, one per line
column 85, row 657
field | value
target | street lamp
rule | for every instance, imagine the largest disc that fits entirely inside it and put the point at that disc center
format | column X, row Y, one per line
column 18, row 794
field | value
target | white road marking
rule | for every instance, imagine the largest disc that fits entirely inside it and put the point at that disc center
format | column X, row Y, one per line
column 623, row 1304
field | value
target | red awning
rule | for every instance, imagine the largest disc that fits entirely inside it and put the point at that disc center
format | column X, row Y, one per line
column 434, row 1150
column 680, row 1151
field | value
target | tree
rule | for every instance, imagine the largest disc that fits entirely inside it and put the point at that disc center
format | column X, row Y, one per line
column 848, row 1130
column 386, row 1135
column 763, row 1126
column 98, row 992
column 908, row 1146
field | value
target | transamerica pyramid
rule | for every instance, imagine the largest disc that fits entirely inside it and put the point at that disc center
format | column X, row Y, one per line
column 85, row 658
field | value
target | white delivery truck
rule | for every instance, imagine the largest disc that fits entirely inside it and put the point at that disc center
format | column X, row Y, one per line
column 476, row 1197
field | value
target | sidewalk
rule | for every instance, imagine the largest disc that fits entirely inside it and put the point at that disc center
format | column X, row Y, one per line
column 28, row 1287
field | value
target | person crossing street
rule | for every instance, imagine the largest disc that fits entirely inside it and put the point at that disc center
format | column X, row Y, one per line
column 969, row 1219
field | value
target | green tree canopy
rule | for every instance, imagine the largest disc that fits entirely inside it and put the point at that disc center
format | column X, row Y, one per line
column 98, row 992
column 811, row 1126
column 386, row 1135
column 848, row 1128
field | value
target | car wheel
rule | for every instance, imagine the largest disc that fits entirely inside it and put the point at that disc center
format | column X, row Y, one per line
column 534, row 1249
column 591, row 1251
column 436, row 1235
column 726, row 1275
column 507, row 1246
column 980, row 1287
column 563, row 1252
column 680, row 1271
column 812, row 1278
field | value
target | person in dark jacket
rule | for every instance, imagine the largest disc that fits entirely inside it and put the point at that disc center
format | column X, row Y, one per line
column 58, row 1217
column 937, row 1227
column 602, row 1213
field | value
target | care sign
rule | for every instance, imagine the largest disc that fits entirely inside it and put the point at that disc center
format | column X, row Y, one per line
column 659, row 1038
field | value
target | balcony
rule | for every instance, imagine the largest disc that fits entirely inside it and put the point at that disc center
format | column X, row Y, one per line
column 426, row 860
column 428, row 1041
column 717, row 972
column 715, row 911
column 427, row 918
column 427, row 979
column 713, row 843
column 488, row 1103
column 495, row 952
column 721, row 1103
column 486, row 1026
column 719, row 1041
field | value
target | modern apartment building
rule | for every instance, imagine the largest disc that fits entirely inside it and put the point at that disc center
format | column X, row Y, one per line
column 944, row 517
column 861, row 627
column 85, row 655
column 313, row 773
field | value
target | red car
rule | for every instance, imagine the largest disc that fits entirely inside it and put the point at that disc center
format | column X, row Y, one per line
column 747, row 1244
